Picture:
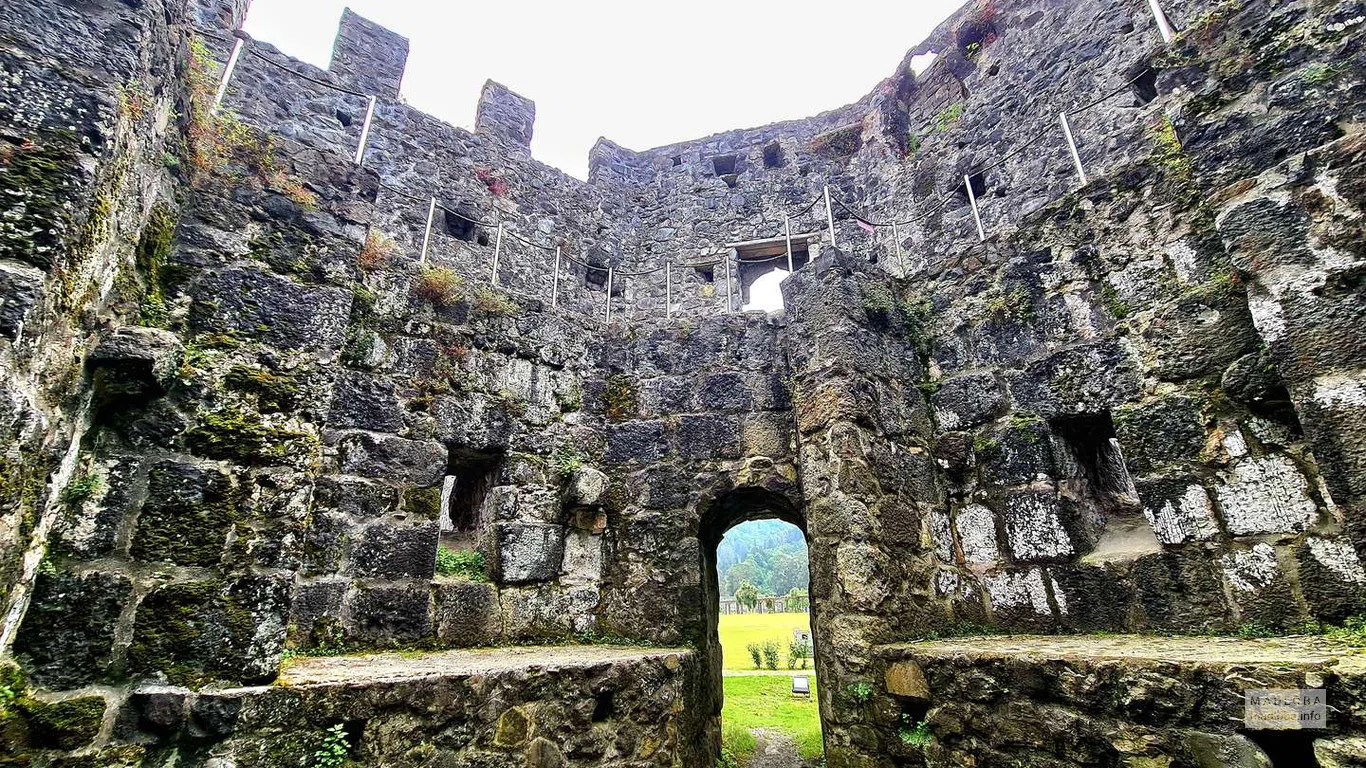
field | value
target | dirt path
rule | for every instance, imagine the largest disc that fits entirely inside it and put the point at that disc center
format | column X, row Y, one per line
column 775, row 750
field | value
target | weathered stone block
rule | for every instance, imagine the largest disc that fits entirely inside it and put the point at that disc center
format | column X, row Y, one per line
column 725, row 392
column 1180, row 590
column 396, row 551
column 194, row 632
column 586, row 488
column 187, row 515
column 467, row 614
column 135, row 362
column 355, row 496
column 527, row 552
column 389, row 616
column 1331, row 577
column 21, row 289
column 638, row 442
column 271, row 308
column 365, row 401
column 419, row 462
column 1160, row 431
column 67, row 637
column 905, row 679
column 1178, row 507
column 1035, row 529
column 708, row 437
column 1085, row 379
column 967, row 401
column 1266, row 495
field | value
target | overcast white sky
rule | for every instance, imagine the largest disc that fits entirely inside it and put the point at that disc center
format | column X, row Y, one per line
column 643, row 74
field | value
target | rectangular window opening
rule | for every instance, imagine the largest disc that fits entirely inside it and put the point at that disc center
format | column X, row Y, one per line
column 1091, row 464
column 1145, row 87
column 724, row 165
column 773, row 155
column 469, row 478
column 460, row 227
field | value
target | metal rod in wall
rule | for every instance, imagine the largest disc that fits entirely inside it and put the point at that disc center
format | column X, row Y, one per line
column 829, row 216
column 972, row 198
column 497, row 251
column 1164, row 26
column 1072, row 145
column 227, row 74
column 730, row 303
column 896, row 238
column 365, row 131
column 555, row 283
column 610, row 274
column 787, row 230
column 668, row 289
column 427, row 235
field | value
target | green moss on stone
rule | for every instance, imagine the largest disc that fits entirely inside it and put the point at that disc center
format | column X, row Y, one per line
column 35, row 177
column 172, row 625
column 69, row 724
column 235, row 435
column 619, row 397
column 423, row 503
column 274, row 392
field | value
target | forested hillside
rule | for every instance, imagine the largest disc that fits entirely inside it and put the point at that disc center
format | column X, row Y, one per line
column 770, row 554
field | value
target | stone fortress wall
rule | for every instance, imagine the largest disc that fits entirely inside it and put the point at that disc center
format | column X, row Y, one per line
column 1135, row 406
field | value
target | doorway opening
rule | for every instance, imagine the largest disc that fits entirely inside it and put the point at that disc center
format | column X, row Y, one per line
column 759, row 639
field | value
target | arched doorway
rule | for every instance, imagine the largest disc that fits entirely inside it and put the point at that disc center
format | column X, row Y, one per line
column 726, row 512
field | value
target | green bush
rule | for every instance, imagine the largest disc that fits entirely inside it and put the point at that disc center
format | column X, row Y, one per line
column 462, row 563
column 860, row 692
column 797, row 653
column 756, row 652
column 771, row 650
column 331, row 751
column 919, row 736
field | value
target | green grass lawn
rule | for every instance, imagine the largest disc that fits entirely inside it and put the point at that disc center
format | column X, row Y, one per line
column 766, row 702
column 739, row 630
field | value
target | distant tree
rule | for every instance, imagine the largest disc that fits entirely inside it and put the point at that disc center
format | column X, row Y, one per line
column 740, row 573
column 747, row 595
column 788, row 570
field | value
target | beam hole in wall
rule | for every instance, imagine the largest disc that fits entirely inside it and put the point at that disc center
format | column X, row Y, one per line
column 604, row 706
column 773, row 155
column 677, row 160
column 1287, row 749
column 460, row 227
column 470, row 476
column 979, row 186
column 1145, row 86
column 762, row 267
column 344, row 119
column 724, row 165
column 706, row 273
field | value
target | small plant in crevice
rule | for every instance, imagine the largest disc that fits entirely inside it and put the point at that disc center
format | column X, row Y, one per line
column 860, row 692
column 379, row 248
column 79, row 490
column 619, row 397
column 566, row 460
column 496, row 186
column 492, row 302
column 918, row 735
column 439, row 286
column 332, row 749
column 468, row 564
column 950, row 115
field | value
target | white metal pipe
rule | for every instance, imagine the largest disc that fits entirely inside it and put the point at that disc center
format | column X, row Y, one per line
column 730, row 301
column 896, row 238
column 365, row 131
column 1163, row 25
column 610, row 274
column 668, row 289
column 829, row 216
column 427, row 235
column 1072, row 145
column 497, row 251
column 972, row 198
column 555, row 284
column 787, row 232
column 227, row 74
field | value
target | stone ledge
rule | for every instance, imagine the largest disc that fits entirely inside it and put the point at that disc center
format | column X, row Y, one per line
column 372, row 668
